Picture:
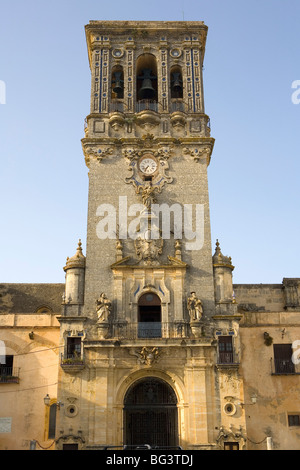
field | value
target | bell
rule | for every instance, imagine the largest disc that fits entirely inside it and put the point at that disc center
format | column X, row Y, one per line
column 177, row 83
column 118, row 84
column 147, row 91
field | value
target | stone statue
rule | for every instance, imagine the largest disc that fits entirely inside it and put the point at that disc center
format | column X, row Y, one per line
column 194, row 306
column 148, row 195
column 103, row 308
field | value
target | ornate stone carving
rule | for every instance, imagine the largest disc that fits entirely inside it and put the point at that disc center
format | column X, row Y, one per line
column 148, row 356
column 198, row 153
column 291, row 294
column 98, row 154
column 137, row 179
column 148, row 250
column 231, row 435
column 148, row 197
column 195, row 308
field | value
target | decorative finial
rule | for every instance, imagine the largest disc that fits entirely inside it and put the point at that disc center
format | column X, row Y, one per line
column 78, row 260
column 218, row 249
column 79, row 248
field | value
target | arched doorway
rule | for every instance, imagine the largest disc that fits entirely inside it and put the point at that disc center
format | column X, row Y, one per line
column 149, row 316
column 150, row 414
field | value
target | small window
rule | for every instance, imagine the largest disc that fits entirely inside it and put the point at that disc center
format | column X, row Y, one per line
column 294, row 420
column 43, row 309
column 231, row 446
column 70, row 446
column 283, row 359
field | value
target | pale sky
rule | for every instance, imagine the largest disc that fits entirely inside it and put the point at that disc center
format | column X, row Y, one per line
column 251, row 62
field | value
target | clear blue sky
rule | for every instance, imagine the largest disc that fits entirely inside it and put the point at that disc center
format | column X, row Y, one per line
column 252, row 58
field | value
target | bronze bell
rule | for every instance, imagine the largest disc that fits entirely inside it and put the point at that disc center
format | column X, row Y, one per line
column 177, row 83
column 118, row 84
column 147, row 92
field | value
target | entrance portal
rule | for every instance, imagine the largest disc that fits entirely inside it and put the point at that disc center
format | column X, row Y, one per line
column 150, row 414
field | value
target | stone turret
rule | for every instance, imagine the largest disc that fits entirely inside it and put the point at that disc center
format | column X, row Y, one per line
column 74, row 281
column 223, row 268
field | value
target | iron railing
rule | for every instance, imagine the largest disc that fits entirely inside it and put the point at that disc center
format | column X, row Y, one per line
column 9, row 375
column 177, row 105
column 148, row 330
column 228, row 358
column 117, row 106
column 144, row 105
column 283, row 367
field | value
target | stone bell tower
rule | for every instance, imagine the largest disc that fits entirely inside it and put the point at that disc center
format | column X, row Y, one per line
column 148, row 141
column 146, row 328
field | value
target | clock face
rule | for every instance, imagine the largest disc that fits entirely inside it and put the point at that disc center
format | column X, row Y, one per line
column 148, row 165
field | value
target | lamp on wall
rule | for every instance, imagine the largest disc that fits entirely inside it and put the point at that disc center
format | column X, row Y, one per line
column 253, row 401
column 47, row 400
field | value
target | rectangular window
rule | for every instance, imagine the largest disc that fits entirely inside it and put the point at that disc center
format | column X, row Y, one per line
column 225, row 349
column 294, row 420
column 73, row 348
column 283, row 359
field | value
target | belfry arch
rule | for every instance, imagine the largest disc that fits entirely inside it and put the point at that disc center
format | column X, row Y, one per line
column 150, row 413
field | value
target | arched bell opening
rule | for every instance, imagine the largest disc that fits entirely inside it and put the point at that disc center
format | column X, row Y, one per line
column 150, row 414
column 117, row 87
column 176, row 82
column 149, row 316
column 176, row 87
column 146, row 82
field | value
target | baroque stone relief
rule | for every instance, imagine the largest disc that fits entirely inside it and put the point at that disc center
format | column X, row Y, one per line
column 137, row 178
column 146, row 356
column 198, row 153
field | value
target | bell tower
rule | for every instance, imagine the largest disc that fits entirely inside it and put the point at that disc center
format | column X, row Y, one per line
column 151, row 308
column 147, row 141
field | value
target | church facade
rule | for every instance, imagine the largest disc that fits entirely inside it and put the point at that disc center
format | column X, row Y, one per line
column 149, row 341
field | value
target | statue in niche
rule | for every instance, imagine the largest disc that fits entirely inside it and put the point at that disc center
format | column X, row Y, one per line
column 103, row 308
column 195, row 308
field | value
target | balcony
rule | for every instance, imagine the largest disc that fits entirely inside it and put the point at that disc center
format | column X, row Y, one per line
column 72, row 363
column 227, row 360
column 9, row 375
column 148, row 330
